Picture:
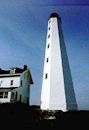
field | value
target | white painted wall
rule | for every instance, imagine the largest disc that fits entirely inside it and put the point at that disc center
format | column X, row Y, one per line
column 24, row 89
column 57, row 91
column 5, row 100
column 16, row 87
column 5, row 86
column 5, row 82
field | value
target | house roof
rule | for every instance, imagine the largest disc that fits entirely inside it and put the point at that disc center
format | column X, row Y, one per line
column 15, row 71
column 4, row 71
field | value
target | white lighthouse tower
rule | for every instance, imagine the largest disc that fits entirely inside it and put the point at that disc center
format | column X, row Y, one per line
column 57, row 87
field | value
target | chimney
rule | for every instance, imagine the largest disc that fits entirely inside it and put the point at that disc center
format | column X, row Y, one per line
column 25, row 67
column 12, row 70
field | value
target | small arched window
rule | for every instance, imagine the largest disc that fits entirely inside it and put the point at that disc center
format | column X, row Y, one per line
column 48, row 46
column 49, row 36
column 46, row 76
column 47, row 59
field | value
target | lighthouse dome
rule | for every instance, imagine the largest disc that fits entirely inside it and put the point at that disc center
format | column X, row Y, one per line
column 54, row 14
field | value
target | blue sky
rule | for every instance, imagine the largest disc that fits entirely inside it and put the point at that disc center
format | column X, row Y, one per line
column 23, row 27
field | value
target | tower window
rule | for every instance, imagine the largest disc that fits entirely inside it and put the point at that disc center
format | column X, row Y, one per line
column 11, row 82
column 48, row 46
column 47, row 60
column 49, row 36
column 49, row 28
column 46, row 76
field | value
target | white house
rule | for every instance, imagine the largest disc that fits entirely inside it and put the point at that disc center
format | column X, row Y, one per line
column 15, row 85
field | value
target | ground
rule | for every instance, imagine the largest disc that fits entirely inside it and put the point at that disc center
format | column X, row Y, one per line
column 18, row 115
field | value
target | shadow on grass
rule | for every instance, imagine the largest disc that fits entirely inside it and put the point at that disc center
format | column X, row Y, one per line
column 20, row 115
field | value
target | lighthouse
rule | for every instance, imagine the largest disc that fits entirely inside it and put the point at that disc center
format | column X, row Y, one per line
column 57, row 92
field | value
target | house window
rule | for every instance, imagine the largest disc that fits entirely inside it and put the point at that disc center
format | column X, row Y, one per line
column 5, row 94
column 49, row 36
column 47, row 60
column 48, row 46
column 21, row 83
column 12, row 95
column 46, row 76
column 1, row 82
column 16, row 95
column 11, row 82
column 1, row 94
